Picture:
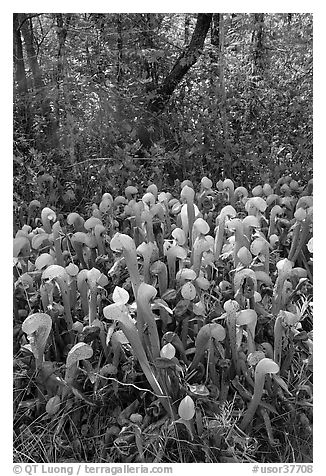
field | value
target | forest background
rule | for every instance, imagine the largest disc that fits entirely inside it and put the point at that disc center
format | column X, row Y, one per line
column 105, row 100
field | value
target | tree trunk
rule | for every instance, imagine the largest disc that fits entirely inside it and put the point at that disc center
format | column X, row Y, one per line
column 257, row 40
column 62, row 31
column 26, row 27
column 20, row 74
column 215, row 29
column 27, row 31
column 187, row 59
column 149, row 64
column 22, row 100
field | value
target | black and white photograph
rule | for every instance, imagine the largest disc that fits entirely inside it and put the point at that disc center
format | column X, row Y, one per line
column 162, row 241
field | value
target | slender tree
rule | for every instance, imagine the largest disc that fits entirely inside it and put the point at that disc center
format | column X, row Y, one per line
column 258, row 45
column 40, row 90
column 22, row 100
column 62, row 22
column 183, row 64
column 20, row 74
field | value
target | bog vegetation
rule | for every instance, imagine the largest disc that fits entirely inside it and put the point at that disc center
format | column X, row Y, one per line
column 163, row 238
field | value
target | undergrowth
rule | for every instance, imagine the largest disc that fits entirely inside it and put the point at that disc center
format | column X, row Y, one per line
column 160, row 328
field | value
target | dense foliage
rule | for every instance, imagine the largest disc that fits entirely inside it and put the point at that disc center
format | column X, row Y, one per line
column 163, row 238
column 161, row 315
column 89, row 86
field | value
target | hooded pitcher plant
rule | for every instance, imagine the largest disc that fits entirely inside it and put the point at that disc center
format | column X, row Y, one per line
column 239, row 277
column 257, row 191
column 163, row 200
column 260, row 248
column 206, row 191
column 229, row 186
column 284, row 268
column 37, row 327
column 244, row 257
column 276, row 211
column 147, row 219
column 126, row 245
column 284, row 321
column 48, row 216
column 78, row 241
column 200, row 227
column 188, row 194
column 227, row 212
column 21, row 251
column 89, row 241
column 78, row 352
column 236, row 225
column 250, row 224
column 256, row 206
column 59, row 275
column 33, row 207
column 146, row 319
column 301, row 232
column 159, row 269
column 56, row 233
column 152, row 188
column 83, row 289
column 186, row 408
column 264, row 366
column 174, row 339
column 248, row 318
column 94, row 279
column 148, row 200
column 200, row 245
column 99, row 231
column 119, row 312
column 232, row 308
column 72, row 270
column 172, row 252
column 206, row 334
column 186, row 411
column 278, row 337
column 300, row 215
column 146, row 251
column 43, row 261
column 240, row 194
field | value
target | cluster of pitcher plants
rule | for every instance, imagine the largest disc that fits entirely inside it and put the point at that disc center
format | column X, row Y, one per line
column 174, row 307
